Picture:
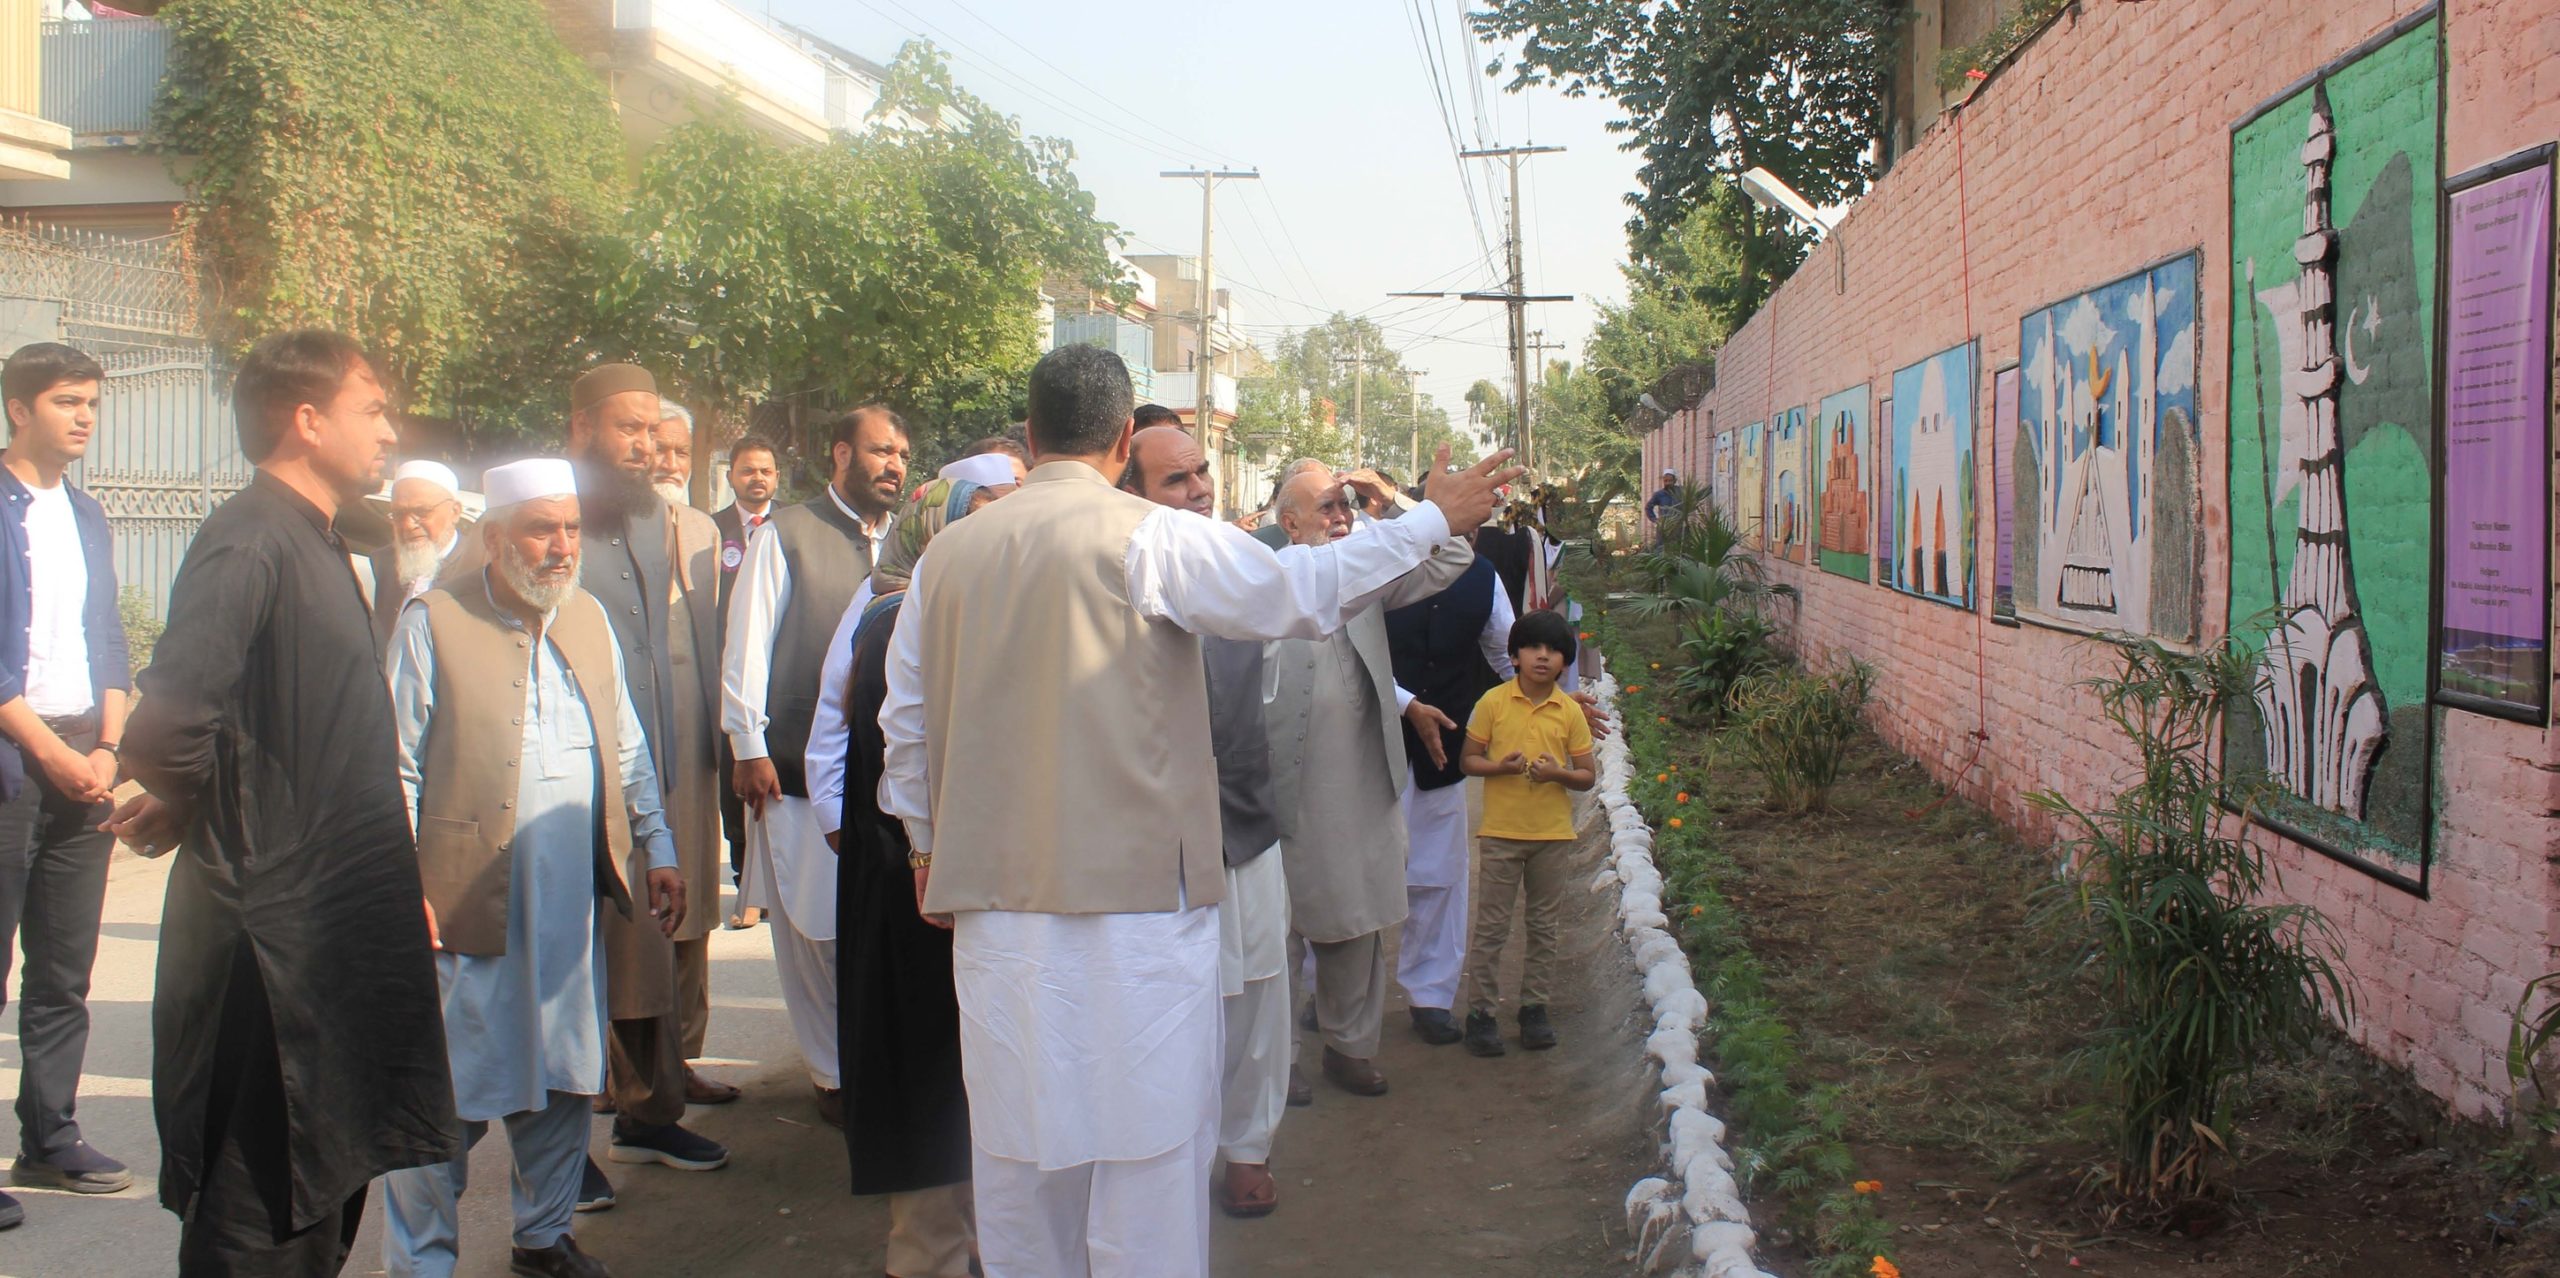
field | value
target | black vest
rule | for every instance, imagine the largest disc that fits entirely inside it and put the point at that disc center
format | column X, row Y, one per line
column 1433, row 647
column 1248, row 813
column 827, row 556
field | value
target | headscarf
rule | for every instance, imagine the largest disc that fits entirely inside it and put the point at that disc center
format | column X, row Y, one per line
column 924, row 515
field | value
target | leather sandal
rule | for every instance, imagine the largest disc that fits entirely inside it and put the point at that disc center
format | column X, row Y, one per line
column 1248, row 1191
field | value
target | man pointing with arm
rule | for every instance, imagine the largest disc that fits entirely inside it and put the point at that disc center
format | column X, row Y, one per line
column 1051, row 647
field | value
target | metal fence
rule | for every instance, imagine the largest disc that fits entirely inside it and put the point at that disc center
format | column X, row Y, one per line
column 116, row 293
column 100, row 76
column 164, row 455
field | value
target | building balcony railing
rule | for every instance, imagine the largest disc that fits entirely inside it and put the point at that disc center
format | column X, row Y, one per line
column 100, row 76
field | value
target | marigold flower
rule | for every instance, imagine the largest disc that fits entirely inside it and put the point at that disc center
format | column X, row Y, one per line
column 1675, row 823
column 1635, row 687
column 1662, row 718
column 1655, row 666
column 1696, row 910
column 1867, row 1186
column 1662, row 776
column 1586, row 636
column 1884, row 1268
column 1682, row 797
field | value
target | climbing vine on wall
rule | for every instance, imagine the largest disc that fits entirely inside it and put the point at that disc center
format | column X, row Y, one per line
column 402, row 170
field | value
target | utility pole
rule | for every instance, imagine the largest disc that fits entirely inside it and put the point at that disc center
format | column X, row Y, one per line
column 1517, row 298
column 1537, row 347
column 1204, row 367
column 1413, row 387
column 1358, row 359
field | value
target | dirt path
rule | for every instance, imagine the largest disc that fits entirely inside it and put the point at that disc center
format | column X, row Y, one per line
column 1515, row 1166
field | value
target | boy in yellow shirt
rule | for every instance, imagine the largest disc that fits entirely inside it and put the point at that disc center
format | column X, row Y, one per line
column 1531, row 744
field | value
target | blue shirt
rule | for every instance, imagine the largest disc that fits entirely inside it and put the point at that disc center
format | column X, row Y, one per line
column 110, row 669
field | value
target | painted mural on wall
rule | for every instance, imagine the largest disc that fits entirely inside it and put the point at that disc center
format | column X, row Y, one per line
column 2004, row 494
column 2333, row 249
column 1884, row 468
column 1930, row 480
column 1790, row 495
column 1720, row 479
column 2105, row 458
column 1750, row 486
column 1843, row 512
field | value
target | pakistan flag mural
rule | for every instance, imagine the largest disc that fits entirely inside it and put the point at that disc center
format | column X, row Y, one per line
column 2333, row 235
column 2104, row 482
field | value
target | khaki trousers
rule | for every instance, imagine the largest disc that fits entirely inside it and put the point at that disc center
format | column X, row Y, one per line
column 693, row 994
column 1350, row 990
column 1505, row 868
column 931, row 1232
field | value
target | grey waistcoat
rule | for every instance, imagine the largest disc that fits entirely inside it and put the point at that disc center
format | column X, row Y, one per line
column 827, row 557
column 1247, row 811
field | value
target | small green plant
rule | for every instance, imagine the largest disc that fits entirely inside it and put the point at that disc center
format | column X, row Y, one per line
column 2003, row 39
column 141, row 627
column 1796, row 728
column 1699, row 574
column 2200, row 983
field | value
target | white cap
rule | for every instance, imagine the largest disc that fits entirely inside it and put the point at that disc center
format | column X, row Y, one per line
column 529, row 480
column 1669, row 473
column 986, row 470
column 434, row 472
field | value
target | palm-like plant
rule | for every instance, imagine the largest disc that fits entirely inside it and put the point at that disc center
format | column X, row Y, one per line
column 1698, row 573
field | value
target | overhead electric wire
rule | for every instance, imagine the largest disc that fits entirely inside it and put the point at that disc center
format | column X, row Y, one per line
column 1448, row 112
column 1098, row 95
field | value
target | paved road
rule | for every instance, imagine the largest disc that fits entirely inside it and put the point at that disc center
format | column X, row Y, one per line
column 128, row 1235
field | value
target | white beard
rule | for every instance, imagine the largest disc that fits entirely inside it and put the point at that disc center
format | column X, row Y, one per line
column 518, row 573
column 415, row 563
column 671, row 492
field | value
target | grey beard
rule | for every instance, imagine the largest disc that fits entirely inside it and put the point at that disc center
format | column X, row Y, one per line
column 671, row 492
column 414, row 561
column 518, row 572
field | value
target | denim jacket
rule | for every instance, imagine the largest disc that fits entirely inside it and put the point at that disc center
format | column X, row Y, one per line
column 100, row 621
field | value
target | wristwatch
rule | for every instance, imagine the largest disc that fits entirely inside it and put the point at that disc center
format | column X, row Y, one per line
column 115, row 748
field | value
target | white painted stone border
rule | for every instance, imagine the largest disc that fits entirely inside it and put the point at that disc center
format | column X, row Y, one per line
column 1697, row 1200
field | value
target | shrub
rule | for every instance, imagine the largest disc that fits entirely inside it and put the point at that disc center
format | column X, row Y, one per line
column 141, row 627
column 1795, row 727
column 2199, row 983
column 1724, row 646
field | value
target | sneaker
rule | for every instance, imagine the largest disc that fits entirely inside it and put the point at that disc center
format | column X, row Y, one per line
column 1535, row 1033
column 1435, row 1026
column 670, row 1145
column 1484, row 1037
column 559, row 1260
column 78, row 1168
column 11, row 1214
column 595, row 1192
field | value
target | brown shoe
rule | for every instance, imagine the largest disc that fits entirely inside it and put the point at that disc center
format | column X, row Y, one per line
column 559, row 1260
column 706, row 1091
column 1300, row 1095
column 602, row 1104
column 831, row 1106
column 1354, row 1075
column 1248, row 1191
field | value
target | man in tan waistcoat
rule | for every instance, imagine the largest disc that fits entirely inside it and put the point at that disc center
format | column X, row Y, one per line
column 1047, row 747
column 532, row 796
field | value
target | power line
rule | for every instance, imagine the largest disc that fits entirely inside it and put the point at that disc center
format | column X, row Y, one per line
column 1447, row 110
column 1098, row 95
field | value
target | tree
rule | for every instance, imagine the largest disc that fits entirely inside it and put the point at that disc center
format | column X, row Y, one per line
column 419, row 175
column 1714, row 89
column 1313, row 367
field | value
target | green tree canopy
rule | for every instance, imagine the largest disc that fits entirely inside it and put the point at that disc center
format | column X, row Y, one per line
column 401, row 170
column 1314, row 367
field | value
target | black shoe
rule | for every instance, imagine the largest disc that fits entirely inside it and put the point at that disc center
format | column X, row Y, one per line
column 670, row 1145
column 1484, row 1037
column 78, row 1168
column 11, row 1214
column 595, row 1192
column 1435, row 1026
column 1535, row 1033
column 559, row 1260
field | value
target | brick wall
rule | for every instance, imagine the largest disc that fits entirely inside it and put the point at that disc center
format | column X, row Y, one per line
column 2102, row 147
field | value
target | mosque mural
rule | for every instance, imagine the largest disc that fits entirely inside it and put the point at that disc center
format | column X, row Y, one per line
column 2105, row 452
column 1930, row 479
column 1843, row 527
column 2333, row 278
column 1790, row 506
column 1720, row 478
column 1750, row 489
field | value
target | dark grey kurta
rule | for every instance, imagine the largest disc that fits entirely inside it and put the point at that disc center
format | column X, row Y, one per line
column 266, row 713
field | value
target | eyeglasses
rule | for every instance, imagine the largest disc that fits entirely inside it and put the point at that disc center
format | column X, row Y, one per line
column 420, row 514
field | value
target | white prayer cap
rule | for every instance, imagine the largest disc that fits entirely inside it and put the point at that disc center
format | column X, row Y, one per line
column 986, row 470
column 433, row 472
column 529, row 480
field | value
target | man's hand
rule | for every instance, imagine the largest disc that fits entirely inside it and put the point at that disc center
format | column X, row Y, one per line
column 104, row 765
column 1428, row 723
column 151, row 826
column 755, row 781
column 1251, row 519
column 666, row 899
column 1465, row 497
column 943, row 921
column 1377, row 496
column 1591, row 714
column 70, row 772
column 834, row 843
column 435, row 935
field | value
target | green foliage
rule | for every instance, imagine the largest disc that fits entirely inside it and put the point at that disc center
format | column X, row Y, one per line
column 2201, row 983
column 898, row 264
column 2004, row 38
column 141, row 625
column 404, row 171
column 1710, row 90
column 1795, row 729
column 1313, row 368
column 1698, row 573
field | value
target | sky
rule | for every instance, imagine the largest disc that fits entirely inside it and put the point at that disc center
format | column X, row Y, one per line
column 1332, row 100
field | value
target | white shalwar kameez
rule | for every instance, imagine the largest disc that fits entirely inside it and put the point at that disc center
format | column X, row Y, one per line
column 1092, row 1043
column 1431, row 954
column 790, row 872
column 1253, row 986
column 524, row 1030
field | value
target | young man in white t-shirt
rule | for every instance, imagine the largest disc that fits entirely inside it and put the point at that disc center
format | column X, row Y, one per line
column 64, row 680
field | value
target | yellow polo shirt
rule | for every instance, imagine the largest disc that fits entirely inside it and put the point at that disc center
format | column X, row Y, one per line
column 1505, row 720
